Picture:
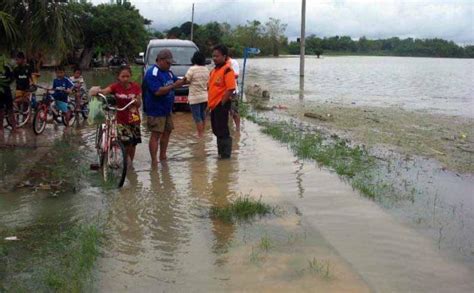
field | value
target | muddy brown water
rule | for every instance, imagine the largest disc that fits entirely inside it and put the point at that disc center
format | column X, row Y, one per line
column 159, row 236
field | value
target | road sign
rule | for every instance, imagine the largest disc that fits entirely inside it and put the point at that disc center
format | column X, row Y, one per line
column 247, row 51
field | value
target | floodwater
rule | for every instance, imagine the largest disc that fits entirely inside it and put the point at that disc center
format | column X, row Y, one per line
column 159, row 235
column 324, row 236
column 435, row 85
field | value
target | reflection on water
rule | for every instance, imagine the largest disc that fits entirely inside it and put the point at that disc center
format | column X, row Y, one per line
column 431, row 84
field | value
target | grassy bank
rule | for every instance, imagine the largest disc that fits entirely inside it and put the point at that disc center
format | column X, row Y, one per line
column 448, row 139
column 49, row 258
column 352, row 162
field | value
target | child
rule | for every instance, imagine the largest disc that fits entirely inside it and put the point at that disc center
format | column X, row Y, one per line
column 6, row 100
column 79, row 87
column 198, row 76
column 128, row 128
column 62, row 87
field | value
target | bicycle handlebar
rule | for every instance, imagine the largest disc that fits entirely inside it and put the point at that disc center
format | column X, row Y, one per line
column 104, row 98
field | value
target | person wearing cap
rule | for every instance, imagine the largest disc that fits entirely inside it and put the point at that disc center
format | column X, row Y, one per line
column 221, row 86
column 159, row 85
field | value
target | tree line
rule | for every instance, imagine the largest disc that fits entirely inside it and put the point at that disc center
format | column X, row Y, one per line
column 388, row 47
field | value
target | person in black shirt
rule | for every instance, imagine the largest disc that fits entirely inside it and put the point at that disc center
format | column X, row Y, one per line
column 22, row 75
column 6, row 100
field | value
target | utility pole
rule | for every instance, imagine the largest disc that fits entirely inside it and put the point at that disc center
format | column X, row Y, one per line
column 303, row 35
column 192, row 24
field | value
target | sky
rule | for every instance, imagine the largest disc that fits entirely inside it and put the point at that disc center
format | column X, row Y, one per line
column 447, row 19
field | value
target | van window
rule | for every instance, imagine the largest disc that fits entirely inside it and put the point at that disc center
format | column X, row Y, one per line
column 182, row 55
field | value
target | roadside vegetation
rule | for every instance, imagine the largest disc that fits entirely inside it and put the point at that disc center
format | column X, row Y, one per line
column 244, row 208
column 352, row 162
column 49, row 257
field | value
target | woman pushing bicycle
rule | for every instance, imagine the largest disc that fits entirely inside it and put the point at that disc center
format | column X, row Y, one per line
column 128, row 121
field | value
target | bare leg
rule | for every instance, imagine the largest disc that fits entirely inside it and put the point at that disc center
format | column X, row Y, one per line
column 236, row 118
column 200, row 129
column 165, row 138
column 153, row 147
column 130, row 150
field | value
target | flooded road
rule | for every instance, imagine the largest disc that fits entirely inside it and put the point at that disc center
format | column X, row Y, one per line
column 160, row 235
column 323, row 236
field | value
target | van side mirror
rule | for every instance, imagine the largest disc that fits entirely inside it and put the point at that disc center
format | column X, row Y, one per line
column 208, row 61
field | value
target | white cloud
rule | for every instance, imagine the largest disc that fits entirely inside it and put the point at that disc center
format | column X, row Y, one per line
column 453, row 20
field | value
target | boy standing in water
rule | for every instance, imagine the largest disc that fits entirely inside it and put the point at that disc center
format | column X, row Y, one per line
column 62, row 87
column 221, row 86
column 79, row 87
column 23, row 78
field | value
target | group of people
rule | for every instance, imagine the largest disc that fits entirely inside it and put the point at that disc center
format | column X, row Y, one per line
column 214, row 92
column 25, row 78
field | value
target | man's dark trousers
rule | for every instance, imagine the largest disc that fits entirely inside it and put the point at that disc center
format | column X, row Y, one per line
column 220, row 128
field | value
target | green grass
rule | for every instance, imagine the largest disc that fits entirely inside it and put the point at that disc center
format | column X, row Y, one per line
column 265, row 243
column 243, row 208
column 350, row 162
column 321, row 268
column 50, row 258
column 137, row 72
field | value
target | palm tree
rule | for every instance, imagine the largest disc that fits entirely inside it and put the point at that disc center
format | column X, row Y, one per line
column 46, row 26
column 8, row 30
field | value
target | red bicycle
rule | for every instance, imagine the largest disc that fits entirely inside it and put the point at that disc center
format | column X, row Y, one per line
column 110, row 150
column 46, row 112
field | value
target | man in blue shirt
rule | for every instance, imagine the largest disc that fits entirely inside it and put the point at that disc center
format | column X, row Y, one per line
column 158, row 94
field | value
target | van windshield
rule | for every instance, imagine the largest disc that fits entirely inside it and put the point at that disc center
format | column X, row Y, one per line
column 181, row 55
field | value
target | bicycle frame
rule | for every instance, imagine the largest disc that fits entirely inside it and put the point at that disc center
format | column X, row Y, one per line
column 109, row 136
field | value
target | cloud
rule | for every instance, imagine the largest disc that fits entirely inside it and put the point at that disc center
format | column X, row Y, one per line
column 447, row 19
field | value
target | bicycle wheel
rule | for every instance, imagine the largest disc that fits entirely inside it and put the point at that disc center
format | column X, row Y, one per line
column 22, row 113
column 72, row 118
column 85, row 111
column 115, row 164
column 39, row 122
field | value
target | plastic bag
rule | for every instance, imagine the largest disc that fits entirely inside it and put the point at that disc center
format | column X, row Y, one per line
column 96, row 112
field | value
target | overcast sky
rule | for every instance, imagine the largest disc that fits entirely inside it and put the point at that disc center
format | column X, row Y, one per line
column 447, row 19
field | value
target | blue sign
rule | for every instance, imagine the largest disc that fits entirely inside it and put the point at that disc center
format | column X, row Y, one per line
column 252, row 50
column 247, row 51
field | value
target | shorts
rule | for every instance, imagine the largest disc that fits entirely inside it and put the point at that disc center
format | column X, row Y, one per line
column 129, row 134
column 199, row 112
column 6, row 100
column 62, row 106
column 234, row 107
column 160, row 124
column 22, row 95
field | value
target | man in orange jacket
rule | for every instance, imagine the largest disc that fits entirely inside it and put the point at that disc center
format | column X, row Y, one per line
column 220, row 88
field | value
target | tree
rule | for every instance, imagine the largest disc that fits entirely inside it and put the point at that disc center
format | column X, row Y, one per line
column 114, row 28
column 8, row 31
column 275, row 32
column 41, row 26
